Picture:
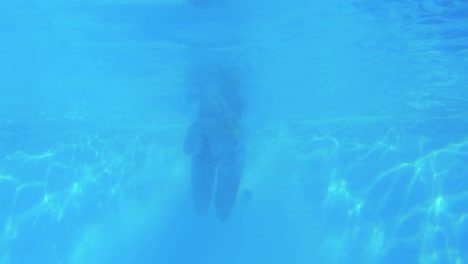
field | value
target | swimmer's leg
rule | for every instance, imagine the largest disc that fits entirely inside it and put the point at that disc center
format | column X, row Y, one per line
column 229, row 176
column 203, row 172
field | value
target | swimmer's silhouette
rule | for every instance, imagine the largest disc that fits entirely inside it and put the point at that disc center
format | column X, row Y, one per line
column 215, row 144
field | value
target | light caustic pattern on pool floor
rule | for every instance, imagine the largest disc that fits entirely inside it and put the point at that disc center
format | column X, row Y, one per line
column 398, row 195
column 383, row 193
column 54, row 189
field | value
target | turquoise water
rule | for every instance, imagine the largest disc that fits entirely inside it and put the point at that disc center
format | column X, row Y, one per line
column 348, row 122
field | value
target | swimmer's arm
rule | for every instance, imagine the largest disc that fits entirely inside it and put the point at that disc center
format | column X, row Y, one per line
column 192, row 142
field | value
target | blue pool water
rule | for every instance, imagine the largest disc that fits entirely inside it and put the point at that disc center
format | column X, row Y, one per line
column 344, row 122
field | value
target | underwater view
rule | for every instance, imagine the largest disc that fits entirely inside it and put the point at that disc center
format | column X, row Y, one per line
column 234, row 131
